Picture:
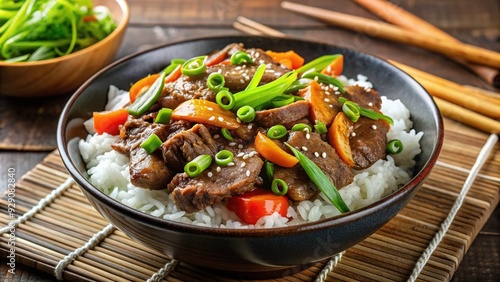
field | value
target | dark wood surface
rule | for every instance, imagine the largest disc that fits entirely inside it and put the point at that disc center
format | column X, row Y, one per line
column 28, row 126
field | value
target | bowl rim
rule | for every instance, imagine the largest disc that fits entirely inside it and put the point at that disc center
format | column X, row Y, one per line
column 121, row 27
column 161, row 223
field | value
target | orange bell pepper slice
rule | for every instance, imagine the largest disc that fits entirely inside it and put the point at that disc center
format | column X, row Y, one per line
column 257, row 203
column 206, row 112
column 338, row 136
column 272, row 152
column 110, row 121
column 144, row 83
column 289, row 58
column 336, row 67
column 319, row 109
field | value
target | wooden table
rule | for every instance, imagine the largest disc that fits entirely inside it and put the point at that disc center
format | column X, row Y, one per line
column 28, row 126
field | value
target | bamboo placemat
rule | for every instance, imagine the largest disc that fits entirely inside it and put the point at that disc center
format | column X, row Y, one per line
column 68, row 222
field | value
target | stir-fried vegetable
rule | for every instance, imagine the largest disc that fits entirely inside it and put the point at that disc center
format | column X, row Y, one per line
column 257, row 203
column 109, row 121
column 367, row 112
column 152, row 143
column 275, row 187
column 336, row 67
column 197, row 165
column 319, row 108
column 395, row 146
column 317, row 64
column 206, row 112
column 277, row 131
column 338, row 136
column 146, row 100
column 289, row 58
column 33, row 30
column 194, row 66
column 272, row 152
column 163, row 116
column 246, row 113
column 241, row 57
column 141, row 86
column 321, row 181
column 224, row 157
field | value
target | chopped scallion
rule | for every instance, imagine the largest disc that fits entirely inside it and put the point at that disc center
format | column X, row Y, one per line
column 152, row 143
column 367, row 112
column 225, row 132
column 194, row 66
column 395, row 146
column 269, row 168
column 319, row 178
column 277, row 184
column 224, row 157
column 246, row 113
column 320, row 127
column 277, row 132
column 163, row 116
column 257, row 76
column 197, row 165
column 225, row 99
column 301, row 127
column 240, row 57
column 215, row 81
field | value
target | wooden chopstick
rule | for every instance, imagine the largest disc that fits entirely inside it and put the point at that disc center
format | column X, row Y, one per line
column 402, row 18
column 388, row 31
column 252, row 27
column 446, row 108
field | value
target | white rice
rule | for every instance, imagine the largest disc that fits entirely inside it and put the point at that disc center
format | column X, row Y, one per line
column 108, row 171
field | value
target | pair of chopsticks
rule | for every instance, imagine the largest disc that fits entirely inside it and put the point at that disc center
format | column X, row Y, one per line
column 475, row 107
column 483, row 62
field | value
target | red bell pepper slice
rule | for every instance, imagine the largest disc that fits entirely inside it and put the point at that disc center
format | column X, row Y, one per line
column 257, row 203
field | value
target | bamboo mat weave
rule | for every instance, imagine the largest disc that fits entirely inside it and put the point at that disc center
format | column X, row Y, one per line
column 68, row 222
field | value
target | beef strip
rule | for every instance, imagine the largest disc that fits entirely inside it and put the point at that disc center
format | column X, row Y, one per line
column 236, row 78
column 213, row 186
column 285, row 115
column 324, row 156
column 186, row 145
column 146, row 170
column 369, row 142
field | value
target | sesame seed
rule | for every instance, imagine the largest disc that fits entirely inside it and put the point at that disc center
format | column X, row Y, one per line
column 308, row 136
column 247, row 173
column 232, row 144
column 242, row 81
column 230, row 164
column 331, row 106
column 243, row 164
column 370, row 104
column 210, row 108
column 304, row 148
column 316, row 154
column 337, row 93
column 316, row 78
column 335, row 88
column 219, row 70
column 211, row 118
column 238, row 68
column 220, row 118
column 327, row 100
column 353, row 134
column 216, row 136
column 249, row 126
column 246, row 156
column 323, row 155
column 210, row 174
column 240, row 146
column 218, row 169
column 241, row 154
column 257, row 55
column 374, row 127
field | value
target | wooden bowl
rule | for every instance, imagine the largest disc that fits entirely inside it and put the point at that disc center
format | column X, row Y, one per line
column 65, row 74
column 249, row 253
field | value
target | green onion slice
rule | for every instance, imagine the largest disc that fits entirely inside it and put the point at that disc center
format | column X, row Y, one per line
column 297, row 85
column 146, row 100
column 326, row 79
column 152, row 143
column 194, row 66
column 262, row 94
column 319, row 178
column 225, row 132
column 351, row 110
column 301, row 127
column 269, row 168
column 163, row 116
column 317, row 64
column 240, row 57
column 395, row 146
column 173, row 64
column 197, row 165
column 275, row 187
column 224, row 157
column 277, row 132
column 225, row 99
column 257, row 77
column 368, row 113
column 215, row 81
column 320, row 127
column 246, row 114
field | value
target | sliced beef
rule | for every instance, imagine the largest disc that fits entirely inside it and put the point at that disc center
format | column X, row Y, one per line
column 324, row 156
column 363, row 97
column 146, row 171
column 369, row 142
column 284, row 115
column 186, row 145
column 214, row 185
column 186, row 88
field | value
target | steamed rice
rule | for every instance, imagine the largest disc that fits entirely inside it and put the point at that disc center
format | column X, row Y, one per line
column 108, row 171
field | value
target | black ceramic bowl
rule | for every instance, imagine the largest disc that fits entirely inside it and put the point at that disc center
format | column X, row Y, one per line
column 261, row 250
